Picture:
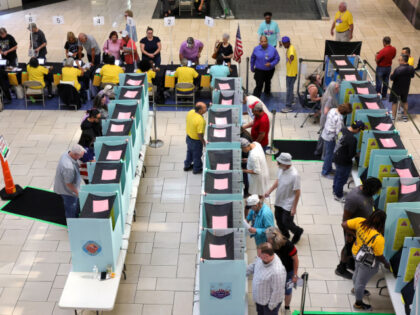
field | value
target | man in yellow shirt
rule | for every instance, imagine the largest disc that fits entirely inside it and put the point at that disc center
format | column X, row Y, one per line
column 407, row 51
column 185, row 74
column 110, row 73
column 195, row 138
column 291, row 73
column 343, row 24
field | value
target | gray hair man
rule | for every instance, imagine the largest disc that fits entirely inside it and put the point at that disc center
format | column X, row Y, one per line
column 93, row 51
column 343, row 24
column 37, row 42
column 67, row 180
column 260, row 125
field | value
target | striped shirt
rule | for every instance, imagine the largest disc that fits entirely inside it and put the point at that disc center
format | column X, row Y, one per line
column 269, row 282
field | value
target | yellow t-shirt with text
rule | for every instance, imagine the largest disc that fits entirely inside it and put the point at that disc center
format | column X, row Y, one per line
column 291, row 67
column 185, row 75
column 343, row 20
column 37, row 74
column 111, row 74
column 377, row 245
column 195, row 124
column 71, row 74
column 150, row 76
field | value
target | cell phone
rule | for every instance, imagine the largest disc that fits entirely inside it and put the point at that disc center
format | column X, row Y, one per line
column 103, row 275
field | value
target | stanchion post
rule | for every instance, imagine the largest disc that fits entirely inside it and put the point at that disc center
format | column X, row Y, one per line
column 272, row 150
column 156, row 143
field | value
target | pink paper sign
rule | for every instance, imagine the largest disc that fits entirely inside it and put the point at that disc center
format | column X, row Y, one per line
column 220, row 120
column 350, row 77
column 221, row 184
column 226, row 102
column 109, row 174
column 404, row 172
column 124, row 115
column 388, row 143
column 224, row 86
column 100, row 205
column 383, row 127
column 408, row 189
column 219, row 133
column 131, row 94
column 219, row 222
column 372, row 105
column 341, row 62
column 362, row 91
column 133, row 82
column 117, row 128
column 217, row 251
column 114, row 155
column 223, row 167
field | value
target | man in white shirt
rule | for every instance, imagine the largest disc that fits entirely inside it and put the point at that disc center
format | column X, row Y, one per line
column 287, row 197
column 269, row 281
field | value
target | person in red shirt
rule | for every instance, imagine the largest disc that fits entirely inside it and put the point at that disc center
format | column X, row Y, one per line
column 129, row 50
column 260, row 126
column 383, row 69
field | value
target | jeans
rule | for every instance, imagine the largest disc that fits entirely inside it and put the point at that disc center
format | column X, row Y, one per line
column 290, row 84
column 328, row 154
column 342, row 173
column 382, row 79
column 289, row 277
column 71, row 206
column 264, row 310
column 361, row 276
column 194, row 153
column 285, row 221
column 263, row 79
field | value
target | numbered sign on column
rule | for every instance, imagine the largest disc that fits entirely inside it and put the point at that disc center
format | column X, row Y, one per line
column 130, row 21
column 169, row 21
column 98, row 20
column 30, row 18
column 58, row 19
column 209, row 21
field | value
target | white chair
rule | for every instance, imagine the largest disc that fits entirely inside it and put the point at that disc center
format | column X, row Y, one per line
column 185, row 95
column 32, row 90
column 187, row 4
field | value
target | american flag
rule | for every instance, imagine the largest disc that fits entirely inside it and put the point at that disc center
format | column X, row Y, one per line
column 238, row 47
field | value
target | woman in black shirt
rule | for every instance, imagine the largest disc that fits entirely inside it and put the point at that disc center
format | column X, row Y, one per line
column 150, row 47
column 71, row 46
column 224, row 49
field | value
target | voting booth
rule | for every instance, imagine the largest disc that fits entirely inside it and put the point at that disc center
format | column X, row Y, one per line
column 219, row 214
column 223, row 182
column 225, row 115
column 114, row 151
column 348, row 88
column 227, row 91
column 410, row 258
column 223, row 159
column 368, row 102
column 223, row 134
column 334, row 63
column 133, row 79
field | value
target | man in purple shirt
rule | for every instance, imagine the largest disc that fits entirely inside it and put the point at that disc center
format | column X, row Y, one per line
column 191, row 50
column 264, row 59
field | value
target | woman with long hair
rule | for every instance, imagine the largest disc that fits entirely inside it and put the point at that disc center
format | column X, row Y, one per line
column 329, row 100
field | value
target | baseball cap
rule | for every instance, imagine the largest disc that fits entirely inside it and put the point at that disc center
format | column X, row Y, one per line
column 358, row 124
column 124, row 33
column 285, row 39
column 253, row 200
column 284, row 158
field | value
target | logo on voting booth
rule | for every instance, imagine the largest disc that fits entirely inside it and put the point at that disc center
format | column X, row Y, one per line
column 92, row 248
column 221, row 290
column 417, row 253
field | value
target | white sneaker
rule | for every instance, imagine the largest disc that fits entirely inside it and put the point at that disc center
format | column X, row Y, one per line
column 342, row 199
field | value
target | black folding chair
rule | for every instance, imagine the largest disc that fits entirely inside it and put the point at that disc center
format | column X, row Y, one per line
column 68, row 96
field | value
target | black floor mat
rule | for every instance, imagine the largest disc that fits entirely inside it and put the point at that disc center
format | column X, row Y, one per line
column 302, row 150
column 39, row 205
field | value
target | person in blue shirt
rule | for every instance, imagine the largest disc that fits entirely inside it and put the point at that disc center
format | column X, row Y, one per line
column 264, row 59
column 260, row 218
column 270, row 29
column 218, row 70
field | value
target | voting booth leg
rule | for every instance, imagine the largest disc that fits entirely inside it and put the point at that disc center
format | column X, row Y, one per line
column 272, row 150
column 156, row 143
column 10, row 191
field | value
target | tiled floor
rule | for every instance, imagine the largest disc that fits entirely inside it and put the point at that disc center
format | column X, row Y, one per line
column 35, row 257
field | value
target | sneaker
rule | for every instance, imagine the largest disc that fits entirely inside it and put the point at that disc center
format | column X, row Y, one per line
column 343, row 273
column 405, row 118
column 286, row 109
column 189, row 168
column 366, row 293
column 328, row 176
column 362, row 306
column 287, row 311
column 296, row 237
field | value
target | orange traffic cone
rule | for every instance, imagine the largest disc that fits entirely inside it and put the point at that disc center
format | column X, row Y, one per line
column 10, row 191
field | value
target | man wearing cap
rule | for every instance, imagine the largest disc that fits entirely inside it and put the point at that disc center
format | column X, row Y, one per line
column 270, row 29
column 67, row 180
column 260, row 126
column 191, row 50
column 37, row 41
column 287, row 187
column 291, row 73
column 93, row 51
column 196, row 126
column 129, row 50
column 344, row 152
column 260, row 218
column 256, row 167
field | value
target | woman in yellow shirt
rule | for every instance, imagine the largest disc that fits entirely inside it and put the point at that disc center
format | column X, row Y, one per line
column 146, row 67
column 110, row 73
column 38, row 73
column 368, row 232
column 69, row 73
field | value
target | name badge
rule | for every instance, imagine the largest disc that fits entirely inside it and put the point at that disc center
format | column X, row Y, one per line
column 338, row 21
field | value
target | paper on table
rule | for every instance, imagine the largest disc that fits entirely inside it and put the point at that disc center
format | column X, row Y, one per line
column 220, row 120
column 372, row 105
column 219, row 133
column 404, row 172
column 133, row 82
column 124, row 115
column 221, row 184
column 109, row 174
column 341, row 62
column 223, row 167
column 383, row 127
column 246, row 225
column 217, row 251
column 350, row 77
column 226, row 102
column 117, row 128
column 408, row 189
column 388, row 142
column 130, row 94
column 224, row 86
column 362, row 91
column 219, row 222
column 100, row 205
column 114, row 155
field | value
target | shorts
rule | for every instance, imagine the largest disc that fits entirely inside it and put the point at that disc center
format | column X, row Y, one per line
column 289, row 277
column 393, row 99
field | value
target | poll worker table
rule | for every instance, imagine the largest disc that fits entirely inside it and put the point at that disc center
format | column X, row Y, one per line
column 81, row 291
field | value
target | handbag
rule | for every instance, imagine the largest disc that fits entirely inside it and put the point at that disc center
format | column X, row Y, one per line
column 214, row 56
column 104, row 54
column 365, row 254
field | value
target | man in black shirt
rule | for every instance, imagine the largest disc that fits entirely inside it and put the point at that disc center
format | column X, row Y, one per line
column 401, row 78
column 344, row 152
column 8, row 47
column 37, row 41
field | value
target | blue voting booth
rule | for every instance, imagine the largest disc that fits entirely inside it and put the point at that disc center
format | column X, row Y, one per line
column 227, row 91
column 115, row 150
column 410, row 258
column 225, row 115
